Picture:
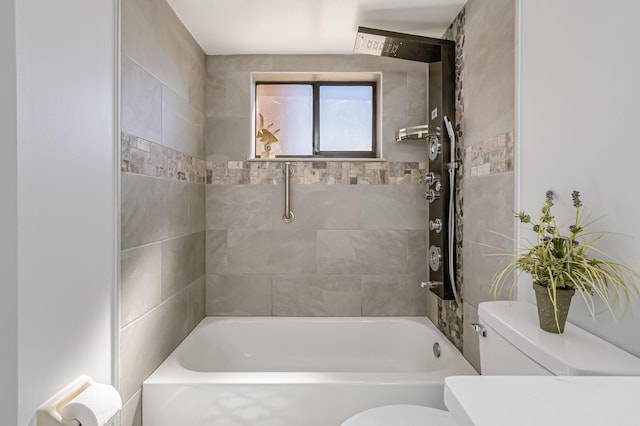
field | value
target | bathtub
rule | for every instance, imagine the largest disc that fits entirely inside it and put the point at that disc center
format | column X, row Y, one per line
column 276, row 371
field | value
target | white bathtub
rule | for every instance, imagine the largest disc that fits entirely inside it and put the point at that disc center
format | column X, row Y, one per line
column 275, row 371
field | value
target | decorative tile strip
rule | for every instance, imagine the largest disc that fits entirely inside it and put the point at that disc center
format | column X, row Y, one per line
column 317, row 173
column 450, row 313
column 450, row 323
column 143, row 157
column 490, row 157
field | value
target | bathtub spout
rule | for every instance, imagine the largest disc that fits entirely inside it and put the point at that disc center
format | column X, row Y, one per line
column 430, row 284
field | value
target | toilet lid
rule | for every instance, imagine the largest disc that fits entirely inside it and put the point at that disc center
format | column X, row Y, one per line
column 405, row 415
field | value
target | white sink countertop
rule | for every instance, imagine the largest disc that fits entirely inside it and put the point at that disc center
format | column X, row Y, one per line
column 549, row 401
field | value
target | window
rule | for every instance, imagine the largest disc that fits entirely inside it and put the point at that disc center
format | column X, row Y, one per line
column 315, row 119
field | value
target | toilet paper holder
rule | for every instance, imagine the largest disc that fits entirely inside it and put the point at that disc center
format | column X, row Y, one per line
column 48, row 414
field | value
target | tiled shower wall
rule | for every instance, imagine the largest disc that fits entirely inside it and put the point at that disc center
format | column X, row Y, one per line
column 485, row 109
column 162, row 194
column 358, row 243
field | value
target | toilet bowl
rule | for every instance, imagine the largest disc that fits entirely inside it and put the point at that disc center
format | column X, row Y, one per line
column 404, row 415
column 512, row 344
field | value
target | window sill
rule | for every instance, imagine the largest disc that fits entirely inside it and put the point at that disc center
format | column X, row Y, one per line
column 317, row 159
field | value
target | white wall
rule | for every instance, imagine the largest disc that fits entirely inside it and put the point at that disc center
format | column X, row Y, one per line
column 8, row 218
column 66, row 202
column 580, row 89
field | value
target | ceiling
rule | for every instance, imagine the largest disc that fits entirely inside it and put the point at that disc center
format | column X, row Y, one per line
column 228, row 27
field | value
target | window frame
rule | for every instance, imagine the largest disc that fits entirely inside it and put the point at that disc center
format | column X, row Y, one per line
column 316, row 137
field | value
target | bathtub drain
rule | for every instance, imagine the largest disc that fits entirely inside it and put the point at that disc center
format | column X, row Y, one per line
column 436, row 350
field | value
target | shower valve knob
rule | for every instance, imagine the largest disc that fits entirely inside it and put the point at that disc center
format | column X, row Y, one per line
column 435, row 258
column 435, row 147
column 435, row 225
column 431, row 195
column 432, row 178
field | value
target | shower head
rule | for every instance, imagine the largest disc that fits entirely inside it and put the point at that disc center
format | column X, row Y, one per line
column 449, row 126
column 397, row 45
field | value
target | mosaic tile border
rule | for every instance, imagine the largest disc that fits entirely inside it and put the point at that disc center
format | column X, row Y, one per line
column 450, row 313
column 143, row 157
column 318, row 173
column 490, row 157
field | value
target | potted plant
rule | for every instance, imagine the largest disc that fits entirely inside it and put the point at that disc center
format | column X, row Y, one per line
column 561, row 264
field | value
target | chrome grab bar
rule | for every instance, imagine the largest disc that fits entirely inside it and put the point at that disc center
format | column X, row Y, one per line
column 289, row 171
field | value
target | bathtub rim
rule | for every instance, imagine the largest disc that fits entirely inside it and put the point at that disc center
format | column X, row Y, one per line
column 171, row 371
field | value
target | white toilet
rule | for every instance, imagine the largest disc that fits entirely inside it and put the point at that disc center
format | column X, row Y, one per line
column 512, row 343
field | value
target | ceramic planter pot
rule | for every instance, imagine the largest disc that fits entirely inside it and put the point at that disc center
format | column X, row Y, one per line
column 546, row 311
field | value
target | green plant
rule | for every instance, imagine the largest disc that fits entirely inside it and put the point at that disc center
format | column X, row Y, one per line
column 570, row 261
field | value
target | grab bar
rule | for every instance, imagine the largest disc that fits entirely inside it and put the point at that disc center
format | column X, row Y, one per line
column 289, row 171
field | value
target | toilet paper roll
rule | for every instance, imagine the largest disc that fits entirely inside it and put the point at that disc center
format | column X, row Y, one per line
column 95, row 406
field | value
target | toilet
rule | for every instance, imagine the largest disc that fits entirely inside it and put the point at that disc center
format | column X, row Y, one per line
column 512, row 344
column 401, row 415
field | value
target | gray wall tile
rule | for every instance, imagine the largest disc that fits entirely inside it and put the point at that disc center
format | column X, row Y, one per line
column 142, row 217
column 319, row 206
column 235, row 63
column 488, row 205
column 140, row 282
column 231, row 92
column 432, row 307
column 195, row 305
column 238, row 294
column 156, row 209
column 395, row 94
column 196, row 202
column 141, row 102
column 418, row 248
column 316, row 295
column 147, row 341
column 394, row 207
column 131, row 414
column 156, row 39
column 271, row 252
column 362, row 252
column 216, row 251
column 418, row 94
column 183, row 261
column 391, row 64
column 489, row 69
column 402, row 108
column 163, row 100
column 480, row 267
column 182, row 125
column 389, row 295
column 176, row 208
column 317, row 63
column 470, row 339
column 228, row 138
column 239, row 206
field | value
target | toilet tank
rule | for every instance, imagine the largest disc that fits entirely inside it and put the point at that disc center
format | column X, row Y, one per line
column 514, row 344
